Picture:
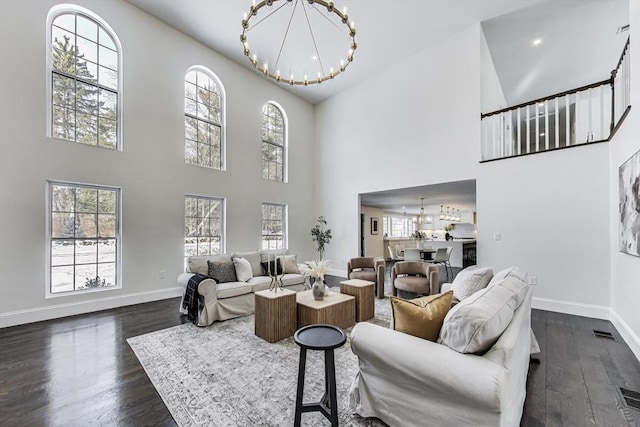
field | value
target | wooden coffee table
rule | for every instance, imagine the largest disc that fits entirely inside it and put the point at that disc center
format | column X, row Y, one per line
column 363, row 292
column 275, row 317
column 335, row 309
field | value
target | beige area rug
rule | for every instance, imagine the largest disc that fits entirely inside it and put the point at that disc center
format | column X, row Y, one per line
column 223, row 375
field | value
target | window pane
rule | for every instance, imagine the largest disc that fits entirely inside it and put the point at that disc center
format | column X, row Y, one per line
column 87, row 70
column 62, row 225
column 191, row 77
column 63, row 123
column 62, row 279
column 107, row 133
column 107, row 225
column 108, row 58
column 105, row 39
column 191, row 206
column 107, row 274
column 85, row 276
column 88, row 225
column 189, row 90
column 64, row 91
column 62, row 252
column 190, row 246
column 191, row 227
column 203, row 227
column 87, row 50
column 204, row 154
column 62, row 198
column 191, row 152
column 66, row 21
column 190, row 128
column 63, row 50
column 108, row 78
column 107, row 201
column 86, row 200
column 190, row 107
column 86, row 251
column 87, row 128
column 87, row 98
column 203, row 246
column 87, row 28
column 108, row 103
column 203, row 207
column 107, row 250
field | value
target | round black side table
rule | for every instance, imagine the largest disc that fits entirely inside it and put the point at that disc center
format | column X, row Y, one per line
column 325, row 338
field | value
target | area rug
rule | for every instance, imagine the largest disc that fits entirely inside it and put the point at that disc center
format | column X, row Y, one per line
column 224, row 375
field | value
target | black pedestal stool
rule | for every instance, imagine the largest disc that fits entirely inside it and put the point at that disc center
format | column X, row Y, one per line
column 325, row 338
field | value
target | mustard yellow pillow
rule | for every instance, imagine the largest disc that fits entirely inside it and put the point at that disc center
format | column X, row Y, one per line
column 421, row 317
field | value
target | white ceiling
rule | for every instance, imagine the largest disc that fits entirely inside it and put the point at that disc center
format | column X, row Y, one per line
column 458, row 195
column 579, row 45
column 388, row 31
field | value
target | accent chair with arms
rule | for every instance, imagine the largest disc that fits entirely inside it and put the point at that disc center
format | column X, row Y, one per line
column 417, row 277
column 368, row 268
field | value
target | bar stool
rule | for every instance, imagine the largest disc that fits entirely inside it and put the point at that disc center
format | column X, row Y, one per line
column 325, row 338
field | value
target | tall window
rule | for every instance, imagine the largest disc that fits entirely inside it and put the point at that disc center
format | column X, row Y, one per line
column 84, row 237
column 203, row 224
column 274, row 226
column 84, row 62
column 273, row 143
column 203, row 119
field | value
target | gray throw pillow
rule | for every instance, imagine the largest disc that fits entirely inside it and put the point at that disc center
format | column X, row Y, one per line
column 222, row 272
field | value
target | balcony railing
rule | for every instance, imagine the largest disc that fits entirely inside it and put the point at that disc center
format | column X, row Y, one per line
column 585, row 115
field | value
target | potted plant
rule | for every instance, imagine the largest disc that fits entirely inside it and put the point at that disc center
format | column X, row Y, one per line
column 321, row 236
column 449, row 228
column 418, row 236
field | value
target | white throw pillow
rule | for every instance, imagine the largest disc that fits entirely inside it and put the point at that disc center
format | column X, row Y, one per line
column 254, row 259
column 243, row 269
column 289, row 263
column 470, row 280
column 476, row 323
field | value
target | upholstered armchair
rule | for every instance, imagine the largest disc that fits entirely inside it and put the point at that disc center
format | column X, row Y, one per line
column 368, row 268
column 416, row 277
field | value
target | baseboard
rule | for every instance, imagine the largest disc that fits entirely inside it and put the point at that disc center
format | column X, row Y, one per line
column 632, row 340
column 338, row 273
column 577, row 309
column 21, row 317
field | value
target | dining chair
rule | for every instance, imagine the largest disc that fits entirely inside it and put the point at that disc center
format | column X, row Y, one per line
column 412, row 254
column 441, row 258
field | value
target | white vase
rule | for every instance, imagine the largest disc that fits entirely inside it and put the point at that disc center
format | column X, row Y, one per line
column 318, row 289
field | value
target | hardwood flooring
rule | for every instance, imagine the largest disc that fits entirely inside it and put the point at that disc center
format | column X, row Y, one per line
column 80, row 371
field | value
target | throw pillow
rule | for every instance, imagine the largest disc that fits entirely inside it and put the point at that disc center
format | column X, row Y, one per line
column 470, row 280
column 243, row 269
column 289, row 263
column 509, row 272
column 222, row 272
column 421, row 317
column 476, row 323
column 254, row 259
column 270, row 266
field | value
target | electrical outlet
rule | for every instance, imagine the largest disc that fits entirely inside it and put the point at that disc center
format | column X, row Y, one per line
column 163, row 274
column 533, row 280
column 497, row 236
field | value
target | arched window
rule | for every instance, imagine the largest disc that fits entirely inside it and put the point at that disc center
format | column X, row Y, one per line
column 85, row 60
column 274, row 136
column 203, row 119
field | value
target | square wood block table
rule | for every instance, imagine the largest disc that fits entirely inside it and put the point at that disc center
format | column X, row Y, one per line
column 363, row 291
column 335, row 309
column 275, row 317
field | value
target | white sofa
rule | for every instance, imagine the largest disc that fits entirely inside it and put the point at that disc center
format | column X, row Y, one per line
column 222, row 301
column 409, row 381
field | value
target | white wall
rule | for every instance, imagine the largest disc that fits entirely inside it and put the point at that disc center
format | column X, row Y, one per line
column 413, row 124
column 418, row 123
column 625, row 269
column 492, row 97
column 150, row 170
column 373, row 243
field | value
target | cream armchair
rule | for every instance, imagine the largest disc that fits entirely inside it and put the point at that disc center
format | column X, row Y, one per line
column 368, row 268
column 416, row 277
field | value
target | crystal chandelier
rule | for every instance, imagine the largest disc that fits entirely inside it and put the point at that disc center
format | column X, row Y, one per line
column 313, row 14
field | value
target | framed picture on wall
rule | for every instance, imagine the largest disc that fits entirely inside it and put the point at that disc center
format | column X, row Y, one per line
column 374, row 225
column 629, row 205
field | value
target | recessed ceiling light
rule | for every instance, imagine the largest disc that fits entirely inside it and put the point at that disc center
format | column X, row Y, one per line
column 542, row 134
column 314, row 57
column 536, row 42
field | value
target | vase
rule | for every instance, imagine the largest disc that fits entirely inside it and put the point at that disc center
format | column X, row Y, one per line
column 318, row 290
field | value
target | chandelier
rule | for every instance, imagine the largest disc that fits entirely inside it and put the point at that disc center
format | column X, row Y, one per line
column 319, row 14
column 423, row 220
column 450, row 215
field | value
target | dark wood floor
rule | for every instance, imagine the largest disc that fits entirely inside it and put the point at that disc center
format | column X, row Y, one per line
column 80, row 371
